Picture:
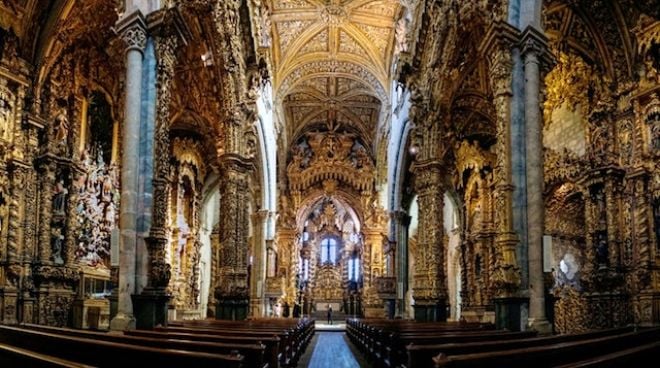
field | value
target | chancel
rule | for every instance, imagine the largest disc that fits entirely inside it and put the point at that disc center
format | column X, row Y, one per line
column 266, row 183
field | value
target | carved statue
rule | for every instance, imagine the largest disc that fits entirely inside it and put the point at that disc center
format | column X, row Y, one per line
column 263, row 16
column 401, row 36
column 57, row 239
column 61, row 128
column 4, row 116
column 3, row 212
column 652, row 74
column 96, row 209
column 601, row 249
column 59, row 197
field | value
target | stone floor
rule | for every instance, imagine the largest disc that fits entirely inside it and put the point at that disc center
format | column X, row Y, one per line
column 331, row 350
column 335, row 326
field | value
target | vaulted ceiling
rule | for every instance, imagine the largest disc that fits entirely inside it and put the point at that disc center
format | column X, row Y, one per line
column 332, row 62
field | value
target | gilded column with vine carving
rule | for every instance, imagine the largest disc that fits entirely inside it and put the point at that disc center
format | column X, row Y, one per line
column 429, row 284
column 506, row 280
column 232, row 291
column 159, row 269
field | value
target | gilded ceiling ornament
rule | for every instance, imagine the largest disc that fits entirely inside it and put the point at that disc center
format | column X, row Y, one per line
column 334, row 15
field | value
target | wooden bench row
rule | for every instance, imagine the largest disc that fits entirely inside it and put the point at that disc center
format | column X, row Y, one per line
column 591, row 351
column 252, row 344
column 384, row 343
column 449, row 346
column 101, row 353
column 294, row 334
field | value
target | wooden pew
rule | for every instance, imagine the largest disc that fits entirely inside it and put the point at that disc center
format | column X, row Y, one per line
column 422, row 355
column 550, row 355
column 384, row 341
column 271, row 343
column 253, row 351
column 632, row 357
column 110, row 354
column 299, row 332
column 11, row 356
column 286, row 352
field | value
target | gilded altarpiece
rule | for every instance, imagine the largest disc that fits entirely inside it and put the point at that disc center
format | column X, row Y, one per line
column 600, row 200
column 188, row 172
column 335, row 167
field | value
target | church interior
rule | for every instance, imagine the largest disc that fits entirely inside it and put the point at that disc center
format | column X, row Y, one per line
column 192, row 174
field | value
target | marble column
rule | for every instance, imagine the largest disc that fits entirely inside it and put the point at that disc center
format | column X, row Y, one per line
column 132, row 29
column 533, row 46
column 429, row 284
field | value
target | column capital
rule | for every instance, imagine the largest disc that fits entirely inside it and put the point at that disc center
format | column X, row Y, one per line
column 132, row 29
column 534, row 42
column 235, row 162
column 428, row 175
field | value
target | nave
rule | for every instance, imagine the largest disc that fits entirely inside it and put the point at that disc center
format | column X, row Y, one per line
column 196, row 181
column 330, row 350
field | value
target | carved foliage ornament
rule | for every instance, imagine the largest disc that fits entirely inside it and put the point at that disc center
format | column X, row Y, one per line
column 567, row 83
column 331, row 155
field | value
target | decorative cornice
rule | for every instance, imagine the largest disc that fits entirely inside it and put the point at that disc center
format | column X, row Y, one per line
column 499, row 35
column 169, row 22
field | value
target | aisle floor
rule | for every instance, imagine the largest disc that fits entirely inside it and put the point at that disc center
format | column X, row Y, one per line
column 331, row 350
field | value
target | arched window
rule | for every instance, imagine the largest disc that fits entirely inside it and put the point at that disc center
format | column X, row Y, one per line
column 354, row 268
column 306, row 269
column 271, row 259
column 329, row 251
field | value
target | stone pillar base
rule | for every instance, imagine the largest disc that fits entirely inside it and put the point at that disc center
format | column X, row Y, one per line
column 511, row 313
column 374, row 312
column 431, row 312
column 9, row 306
column 542, row 326
column 232, row 309
column 114, row 303
column 150, row 308
column 648, row 309
column 122, row 322
column 26, row 310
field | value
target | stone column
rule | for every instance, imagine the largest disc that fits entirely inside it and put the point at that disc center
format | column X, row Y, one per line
column 429, row 284
column 151, row 303
column 132, row 29
column 401, row 221
column 232, row 291
column 258, row 270
column 533, row 47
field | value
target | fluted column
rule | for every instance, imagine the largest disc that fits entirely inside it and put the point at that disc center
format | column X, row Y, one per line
column 533, row 48
column 132, row 30
column 429, row 284
column 232, row 291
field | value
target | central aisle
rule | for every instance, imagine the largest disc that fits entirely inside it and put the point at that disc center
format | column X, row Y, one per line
column 331, row 350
